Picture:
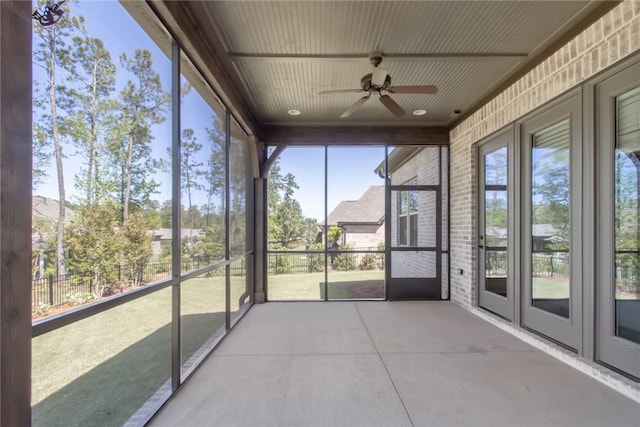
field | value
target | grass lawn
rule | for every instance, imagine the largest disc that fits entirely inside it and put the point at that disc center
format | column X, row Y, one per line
column 310, row 286
column 100, row 370
column 559, row 288
column 550, row 288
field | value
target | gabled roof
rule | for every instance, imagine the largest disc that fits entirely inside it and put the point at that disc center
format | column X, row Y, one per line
column 46, row 208
column 369, row 209
column 167, row 233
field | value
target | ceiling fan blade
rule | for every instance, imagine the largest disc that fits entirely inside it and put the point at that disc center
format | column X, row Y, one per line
column 413, row 89
column 392, row 106
column 324, row 92
column 354, row 107
column 378, row 76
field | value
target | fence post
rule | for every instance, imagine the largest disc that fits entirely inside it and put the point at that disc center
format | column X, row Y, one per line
column 551, row 264
column 50, row 289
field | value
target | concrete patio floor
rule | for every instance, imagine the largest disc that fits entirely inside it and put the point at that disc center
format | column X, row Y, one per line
column 386, row 364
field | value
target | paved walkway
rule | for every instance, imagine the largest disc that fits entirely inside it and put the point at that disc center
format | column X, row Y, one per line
column 386, row 364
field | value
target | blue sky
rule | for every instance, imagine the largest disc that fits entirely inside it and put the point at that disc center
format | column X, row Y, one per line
column 109, row 21
column 350, row 168
column 350, row 174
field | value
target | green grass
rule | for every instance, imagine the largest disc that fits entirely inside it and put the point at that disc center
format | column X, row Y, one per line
column 559, row 288
column 550, row 288
column 310, row 286
column 100, row 370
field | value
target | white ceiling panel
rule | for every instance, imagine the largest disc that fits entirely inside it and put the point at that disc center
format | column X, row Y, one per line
column 282, row 53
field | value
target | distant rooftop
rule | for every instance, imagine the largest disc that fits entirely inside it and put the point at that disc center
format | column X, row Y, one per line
column 369, row 209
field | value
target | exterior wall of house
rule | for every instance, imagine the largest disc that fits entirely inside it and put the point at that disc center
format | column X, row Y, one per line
column 364, row 236
column 609, row 40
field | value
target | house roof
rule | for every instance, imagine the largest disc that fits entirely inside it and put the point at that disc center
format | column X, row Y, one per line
column 368, row 209
column 167, row 233
column 46, row 208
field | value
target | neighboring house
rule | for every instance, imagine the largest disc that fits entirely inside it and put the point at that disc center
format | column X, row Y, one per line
column 361, row 221
column 543, row 235
column 45, row 217
column 162, row 237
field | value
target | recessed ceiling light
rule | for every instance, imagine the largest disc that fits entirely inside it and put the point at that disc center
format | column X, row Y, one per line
column 420, row 112
column 294, row 112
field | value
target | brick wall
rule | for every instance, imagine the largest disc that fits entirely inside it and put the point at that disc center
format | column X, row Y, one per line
column 609, row 40
column 364, row 236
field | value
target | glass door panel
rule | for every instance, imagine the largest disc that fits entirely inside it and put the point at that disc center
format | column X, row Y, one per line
column 495, row 286
column 618, row 246
column 551, row 285
column 550, row 222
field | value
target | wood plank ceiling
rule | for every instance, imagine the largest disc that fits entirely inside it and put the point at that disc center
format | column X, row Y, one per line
column 281, row 54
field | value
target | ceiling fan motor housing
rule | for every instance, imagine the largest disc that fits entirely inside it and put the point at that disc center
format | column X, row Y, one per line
column 366, row 84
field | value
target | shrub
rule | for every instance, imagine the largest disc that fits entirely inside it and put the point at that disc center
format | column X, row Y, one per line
column 41, row 309
column 368, row 262
column 79, row 298
column 316, row 261
column 281, row 264
column 345, row 261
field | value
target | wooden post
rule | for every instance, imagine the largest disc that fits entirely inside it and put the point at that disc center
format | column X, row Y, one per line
column 15, row 213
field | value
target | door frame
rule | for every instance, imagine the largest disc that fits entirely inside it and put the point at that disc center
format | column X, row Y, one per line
column 502, row 306
column 414, row 288
column 609, row 349
column 567, row 332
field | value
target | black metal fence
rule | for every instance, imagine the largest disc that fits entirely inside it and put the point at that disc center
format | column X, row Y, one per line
column 55, row 290
column 304, row 262
column 59, row 290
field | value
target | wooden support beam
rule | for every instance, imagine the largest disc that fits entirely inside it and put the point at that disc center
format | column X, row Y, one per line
column 356, row 135
column 15, row 213
column 253, row 153
column 268, row 164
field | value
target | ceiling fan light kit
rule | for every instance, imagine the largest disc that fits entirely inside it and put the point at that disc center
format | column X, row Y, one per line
column 379, row 81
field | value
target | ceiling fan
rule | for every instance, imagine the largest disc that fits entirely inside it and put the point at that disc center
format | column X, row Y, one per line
column 379, row 81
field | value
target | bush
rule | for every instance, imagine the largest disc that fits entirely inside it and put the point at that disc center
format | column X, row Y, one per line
column 345, row 262
column 316, row 261
column 41, row 309
column 281, row 265
column 368, row 262
column 79, row 298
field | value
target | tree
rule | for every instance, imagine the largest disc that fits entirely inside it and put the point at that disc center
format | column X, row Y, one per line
column 136, row 247
column 334, row 234
column 142, row 103
column 95, row 244
column 190, row 169
column 93, row 80
column 550, row 193
column 496, row 206
column 238, row 195
column 311, row 231
column 50, row 52
column 166, row 213
column 627, row 218
column 215, row 172
column 41, row 153
column 286, row 220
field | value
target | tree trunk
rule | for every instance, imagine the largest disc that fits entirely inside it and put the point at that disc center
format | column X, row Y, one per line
column 60, row 268
column 127, row 188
